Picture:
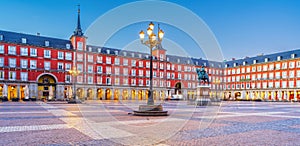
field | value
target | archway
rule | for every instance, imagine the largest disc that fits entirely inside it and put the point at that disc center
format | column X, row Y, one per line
column 80, row 93
column 100, row 94
column 108, row 94
column 125, row 95
column 116, row 94
column 237, row 95
column 178, row 88
column 133, row 94
column 90, row 93
column 46, row 86
column 140, row 95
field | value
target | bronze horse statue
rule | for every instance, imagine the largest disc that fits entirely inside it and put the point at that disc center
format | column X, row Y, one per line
column 202, row 75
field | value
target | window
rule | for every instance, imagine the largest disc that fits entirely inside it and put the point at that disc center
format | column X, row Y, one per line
column 108, row 51
column 284, row 74
column 24, row 40
column 24, row 76
column 90, row 80
column 33, row 64
column 99, row 59
column 68, row 56
column 147, row 82
column 265, row 67
column 68, row 46
column 254, row 61
column 12, row 50
column 271, row 67
column 90, row 68
column 179, row 67
column 248, row 69
column 108, row 70
column 265, row 84
column 68, row 79
column 12, row 62
column 60, row 55
column 90, row 58
column 168, row 67
column 80, row 57
column 147, row 64
column 168, row 75
column 278, row 58
column 1, row 61
column 117, row 81
column 147, row 73
column 292, row 74
column 47, row 43
column 133, row 62
column 141, row 73
column 79, row 67
column 60, row 66
column 117, row 71
column 298, row 84
column 161, row 75
column 266, row 59
column 99, row 80
column 125, row 71
column 1, row 37
column 47, row 54
column 117, row 61
column 133, row 73
column 253, row 69
column 108, row 60
column 259, row 68
column 24, row 51
column 173, row 75
column 154, row 65
column 2, row 49
column 154, row 74
column 125, row 81
column 291, row 64
column 24, row 63
column 140, row 63
column 179, row 76
column 133, row 82
column 277, row 75
column 291, row 84
column 1, row 75
column 125, row 62
column 277, row 66
column 270, row 85
column 161, row 57
column 108, row 81
column 47, row 65
column 277, row 84
column 271, row 75
column 79, row 46
column 141, row 82
column 283, row 84
column 298, row 64
column 12, row 75
column 284, row 65
column 99, row 69
column 161, row 66
column 67, row 66
column 298, row 73
column 79, row 79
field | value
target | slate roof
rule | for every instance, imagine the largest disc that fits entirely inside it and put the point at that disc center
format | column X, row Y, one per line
column 261, row 58
column 35, row 40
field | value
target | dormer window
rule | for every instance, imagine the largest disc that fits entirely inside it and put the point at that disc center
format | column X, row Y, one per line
column 188, row 61
column 132, row 54
column 99, row 50
column 1, row 37
column 226, row 65
column 47, row 43
column 24, row 40
column 278, row 58
column 266, row 59
column 116, row 53
column 90, row 49
column 147, row 56
column 68, row 46
column 293, row 56
column 178, row 60
column 212, row 65
column 124, row 53
column 167, row 58
column 244, row 63
column 234, row 64
column 204, row 64
column 140, row 55
column 107, row 51
column 254, row 61
column 197, row 63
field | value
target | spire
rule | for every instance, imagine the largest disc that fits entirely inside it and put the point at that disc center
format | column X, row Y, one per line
column 78, row 31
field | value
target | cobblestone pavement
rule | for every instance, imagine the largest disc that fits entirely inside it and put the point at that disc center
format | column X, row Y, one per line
column 112, row 123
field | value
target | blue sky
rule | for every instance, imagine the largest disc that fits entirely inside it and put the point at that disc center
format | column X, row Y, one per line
column 242, row 27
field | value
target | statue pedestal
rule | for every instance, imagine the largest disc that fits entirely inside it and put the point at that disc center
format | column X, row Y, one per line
column 203, row 95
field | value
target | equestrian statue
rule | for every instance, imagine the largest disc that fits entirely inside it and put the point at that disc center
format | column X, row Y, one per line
column 202, row 75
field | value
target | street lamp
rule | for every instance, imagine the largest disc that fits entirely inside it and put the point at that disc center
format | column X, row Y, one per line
column 150, row 109
column 151, row 42
column 74, row 72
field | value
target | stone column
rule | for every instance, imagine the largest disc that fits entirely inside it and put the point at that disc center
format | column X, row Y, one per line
column 18, row 91
column 295, row 95
column 272, row 95
column 112, row 94
column 266, row 95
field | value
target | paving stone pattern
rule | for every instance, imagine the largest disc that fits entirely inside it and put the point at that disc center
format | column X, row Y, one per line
column 112, row 123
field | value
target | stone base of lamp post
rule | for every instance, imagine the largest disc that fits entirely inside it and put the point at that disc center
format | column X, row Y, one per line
column 150, row 110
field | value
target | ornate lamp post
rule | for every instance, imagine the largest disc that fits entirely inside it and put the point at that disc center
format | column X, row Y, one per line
column 151, row 42
column 150, row 109
column 74, row 73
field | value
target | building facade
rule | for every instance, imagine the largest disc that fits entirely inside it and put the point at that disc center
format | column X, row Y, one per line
column 273, row 77
column 42, row 64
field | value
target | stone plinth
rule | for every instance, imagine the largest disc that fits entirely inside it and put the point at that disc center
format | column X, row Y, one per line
column 203, row 95
column 150, row 110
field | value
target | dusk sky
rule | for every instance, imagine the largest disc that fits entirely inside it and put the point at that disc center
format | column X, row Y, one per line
column 242, row 27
